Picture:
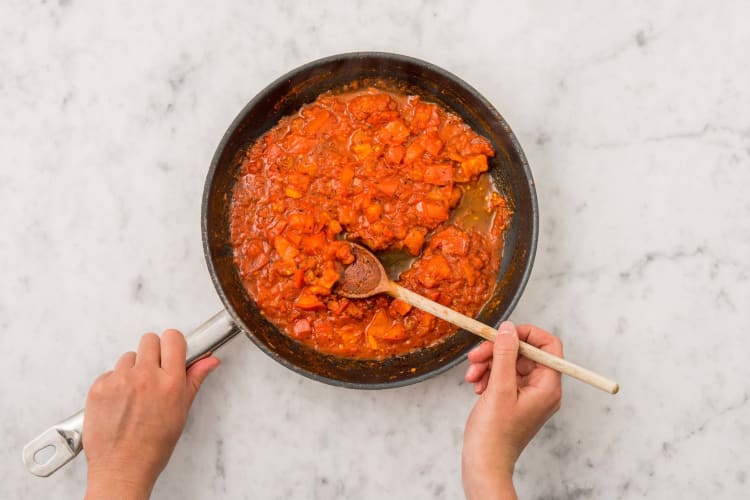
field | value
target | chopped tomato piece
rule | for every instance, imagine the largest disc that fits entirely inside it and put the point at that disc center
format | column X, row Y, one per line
column 413, row 152
column 303, row 222
column 299, row 278
column 313, row 244
column 394, row 154
column 329, row 278
column 431, row 210
column 285, row 248
column 440, row 175
column 302, row 328
column 394, row 132
column 431, row 143
column 320, row 118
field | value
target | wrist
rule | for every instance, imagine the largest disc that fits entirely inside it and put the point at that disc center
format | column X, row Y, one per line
column 121, row 484
column 491, row 487
column 494, row 483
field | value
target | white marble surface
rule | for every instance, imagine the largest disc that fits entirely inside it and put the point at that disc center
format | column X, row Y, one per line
column 636, row 122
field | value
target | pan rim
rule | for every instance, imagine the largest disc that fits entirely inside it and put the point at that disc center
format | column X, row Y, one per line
column 238, row 120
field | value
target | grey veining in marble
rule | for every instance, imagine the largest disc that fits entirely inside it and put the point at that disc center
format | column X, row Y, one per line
column 636, row 121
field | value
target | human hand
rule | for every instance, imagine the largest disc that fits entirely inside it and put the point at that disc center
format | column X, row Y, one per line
column 516, row 397
column 135, row 414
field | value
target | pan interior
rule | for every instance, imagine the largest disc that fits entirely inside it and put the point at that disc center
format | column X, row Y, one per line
column 509, row 172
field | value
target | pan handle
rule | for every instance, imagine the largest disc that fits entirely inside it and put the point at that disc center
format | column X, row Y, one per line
column 59, row 444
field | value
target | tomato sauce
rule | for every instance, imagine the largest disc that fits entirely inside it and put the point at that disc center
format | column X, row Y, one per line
column 393, row 172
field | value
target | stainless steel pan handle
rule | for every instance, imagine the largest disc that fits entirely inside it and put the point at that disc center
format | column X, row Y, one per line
column 59, row 444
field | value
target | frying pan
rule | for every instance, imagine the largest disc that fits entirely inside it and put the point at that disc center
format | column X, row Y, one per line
column 509, row 172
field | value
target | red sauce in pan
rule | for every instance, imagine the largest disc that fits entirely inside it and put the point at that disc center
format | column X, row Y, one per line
column 392, row 172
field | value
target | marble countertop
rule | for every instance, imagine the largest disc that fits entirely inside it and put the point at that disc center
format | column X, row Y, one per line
column 635, row 122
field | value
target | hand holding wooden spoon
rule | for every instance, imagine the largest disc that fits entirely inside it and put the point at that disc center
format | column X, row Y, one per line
column 366, row 277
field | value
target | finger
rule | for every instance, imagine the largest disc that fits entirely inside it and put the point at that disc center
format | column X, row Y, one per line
column 502, row 380
column 524, row 366
column 149, row 352
column 541, row 339
column 126, row 361
column 481, row 385
column 481, row 353
column 541, row 376
column 476, row 371
column 197, row 373
column 97, row 389
column 173, row 348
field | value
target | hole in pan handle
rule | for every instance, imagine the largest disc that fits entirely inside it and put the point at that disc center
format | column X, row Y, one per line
column 64, row 439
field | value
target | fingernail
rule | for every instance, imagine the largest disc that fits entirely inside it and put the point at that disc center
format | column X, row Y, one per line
column 506, row 327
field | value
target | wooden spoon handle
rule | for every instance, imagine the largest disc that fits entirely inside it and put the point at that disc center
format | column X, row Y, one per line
column 489, row 333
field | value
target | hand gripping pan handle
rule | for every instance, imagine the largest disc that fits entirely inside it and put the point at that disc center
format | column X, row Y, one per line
column 60, row 444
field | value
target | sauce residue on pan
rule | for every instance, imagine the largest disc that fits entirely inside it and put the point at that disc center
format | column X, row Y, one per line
column 402, row 176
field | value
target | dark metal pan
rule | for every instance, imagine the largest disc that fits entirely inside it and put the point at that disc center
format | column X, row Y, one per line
column 509, row 172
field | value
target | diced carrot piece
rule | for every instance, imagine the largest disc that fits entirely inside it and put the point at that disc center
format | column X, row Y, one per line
column 285, row 267
column 426, row 321
column 414, row 241
column 439, row 175
column 334, row 227
column 389, row 185
column 362, row 150
column 469, row 273
column 379, row 324
column 347, row 175
column 292, row 192
column 400, row 307
column 285, row 248
column 319, row 290
column 308, row 301
column 329, row 278
column 474, row 165
column 373, row 211
column 434, row 269
column 372, row 342
column 308, row 168
column 341, row 251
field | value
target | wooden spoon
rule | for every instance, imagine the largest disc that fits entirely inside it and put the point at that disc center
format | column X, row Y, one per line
column 366, row 277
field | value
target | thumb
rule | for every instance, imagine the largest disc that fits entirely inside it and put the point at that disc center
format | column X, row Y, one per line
column 197, row 373
column 504, row 355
